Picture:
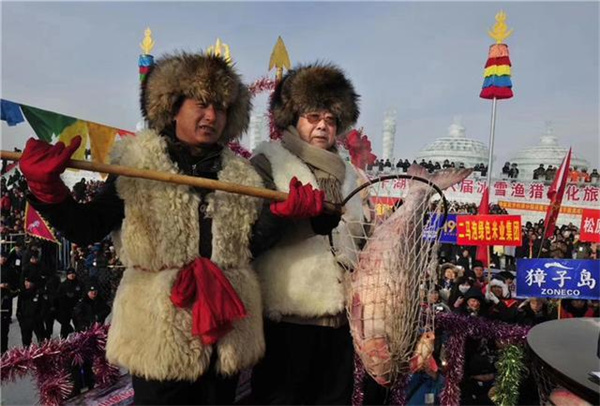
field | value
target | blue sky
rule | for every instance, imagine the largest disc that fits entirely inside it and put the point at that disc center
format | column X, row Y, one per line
column 423, row 59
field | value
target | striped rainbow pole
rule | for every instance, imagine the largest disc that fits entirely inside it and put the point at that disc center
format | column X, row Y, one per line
column 497, row 83
column 146, row 61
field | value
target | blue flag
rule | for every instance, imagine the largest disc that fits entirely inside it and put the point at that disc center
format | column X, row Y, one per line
column 558, row 278
column 11, row 113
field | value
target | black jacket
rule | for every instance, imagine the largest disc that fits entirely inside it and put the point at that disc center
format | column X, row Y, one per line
column 31, row 305
column 69, row 294
column 8, row 275
column 88, row 312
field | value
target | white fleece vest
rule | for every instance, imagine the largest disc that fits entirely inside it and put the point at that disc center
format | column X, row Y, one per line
column 300, row 275
column 160, row 233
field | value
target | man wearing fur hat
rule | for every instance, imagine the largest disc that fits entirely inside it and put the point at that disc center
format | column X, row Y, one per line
column 501, row 306
column 309, row 358
column 187, row 313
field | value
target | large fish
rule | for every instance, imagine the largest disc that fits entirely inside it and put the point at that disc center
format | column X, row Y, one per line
column 383, row 290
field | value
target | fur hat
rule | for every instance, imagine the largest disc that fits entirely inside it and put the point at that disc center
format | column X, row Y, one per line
column 312, row 88
column 206, row 78
column 500, row 283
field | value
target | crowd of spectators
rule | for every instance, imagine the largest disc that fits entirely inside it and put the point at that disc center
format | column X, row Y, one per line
column 465, row 286
column 386, row 166
column 75, row 290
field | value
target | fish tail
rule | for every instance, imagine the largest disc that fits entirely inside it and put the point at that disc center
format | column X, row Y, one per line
column 443, row 178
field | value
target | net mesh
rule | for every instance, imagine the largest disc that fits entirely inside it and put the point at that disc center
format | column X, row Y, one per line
column 391, row 258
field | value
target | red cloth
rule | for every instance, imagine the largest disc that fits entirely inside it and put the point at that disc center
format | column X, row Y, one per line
column 496, row 92
column 555, row 194
column 215, row 304
column 483, row 251
column 498, row 61
column 42, row 163
column 359, row 147
column 303, row 202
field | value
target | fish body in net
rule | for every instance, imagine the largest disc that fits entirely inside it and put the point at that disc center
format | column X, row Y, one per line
column 383, row 291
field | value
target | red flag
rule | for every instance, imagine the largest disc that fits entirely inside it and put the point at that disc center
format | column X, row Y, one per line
column 556, row 193
column 36, row 226
column 483, row 251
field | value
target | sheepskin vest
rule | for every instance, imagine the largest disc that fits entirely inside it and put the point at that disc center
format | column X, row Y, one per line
column 300, row 275
column 159, row 234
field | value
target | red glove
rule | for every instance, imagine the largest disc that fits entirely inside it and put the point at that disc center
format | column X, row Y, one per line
column 302, row 202
column 215, row 304
column 42, row 164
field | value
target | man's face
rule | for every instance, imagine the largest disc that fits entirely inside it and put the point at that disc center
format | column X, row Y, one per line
column 473, row 304
column 497, row 291
column 28, row 285
column 318, row 128
column 478, row 271
column 449, row 274
column 92, row 294
column 535, row 305
column 198, row 124
column 71, row 276
column 578, row 304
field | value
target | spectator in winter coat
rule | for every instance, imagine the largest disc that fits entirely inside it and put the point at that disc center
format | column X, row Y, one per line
column 90, row 309
column 69, row 293
column 571, row 308
column 31, row 309
column 8, row 289
column 534, row 311
column 457, row 293
column 500, row 305
column 473, row 304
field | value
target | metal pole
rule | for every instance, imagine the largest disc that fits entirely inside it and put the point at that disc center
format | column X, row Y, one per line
column 491, row 144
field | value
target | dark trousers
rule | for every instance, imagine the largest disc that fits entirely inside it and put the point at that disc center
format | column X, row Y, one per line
column 66, row 328
column 210, row 389
column 48, row 325
column 304, row 364
column 83, row 375
column 5, row 327
column 28, row 327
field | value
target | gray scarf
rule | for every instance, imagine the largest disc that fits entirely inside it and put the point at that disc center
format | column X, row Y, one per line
column 327, row 165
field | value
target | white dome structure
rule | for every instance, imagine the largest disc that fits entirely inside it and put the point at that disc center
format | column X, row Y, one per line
column 455, row 147
column 548, row 152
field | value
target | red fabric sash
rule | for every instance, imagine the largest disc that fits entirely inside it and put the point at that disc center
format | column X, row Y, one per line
column 215, row 304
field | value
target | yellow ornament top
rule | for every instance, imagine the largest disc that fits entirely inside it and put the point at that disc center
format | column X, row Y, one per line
column 279, row 58
column 500, row 31
column 148, row 43
column 220, row 49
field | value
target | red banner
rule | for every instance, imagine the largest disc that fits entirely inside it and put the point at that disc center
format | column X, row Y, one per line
column 488, row 230
column 36, row 226
column 590, row 226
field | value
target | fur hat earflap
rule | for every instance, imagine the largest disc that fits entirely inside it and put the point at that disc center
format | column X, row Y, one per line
column 497, row 282
column 313, row 88
column 206, row 78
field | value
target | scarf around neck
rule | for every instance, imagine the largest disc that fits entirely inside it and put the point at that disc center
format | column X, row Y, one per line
column 327, row 165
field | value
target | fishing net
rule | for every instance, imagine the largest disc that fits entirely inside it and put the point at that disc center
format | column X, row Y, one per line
column 390, row 255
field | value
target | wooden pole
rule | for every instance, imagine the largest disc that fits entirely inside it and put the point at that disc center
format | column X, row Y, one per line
column 175, row 178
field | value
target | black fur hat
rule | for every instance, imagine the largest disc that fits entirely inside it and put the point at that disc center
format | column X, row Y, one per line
column 312, row 88
column 206, row 78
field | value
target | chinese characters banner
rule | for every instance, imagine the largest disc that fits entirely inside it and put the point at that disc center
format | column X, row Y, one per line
column 558, row 278
column 590, row 226
column 488, row 230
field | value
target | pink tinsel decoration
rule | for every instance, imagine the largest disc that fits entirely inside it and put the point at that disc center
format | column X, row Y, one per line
column 262, row 85
column 51, row 362
column 358, row 393
column 462, row 327
column 239, row 150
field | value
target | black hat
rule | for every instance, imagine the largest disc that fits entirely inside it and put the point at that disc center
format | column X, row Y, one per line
column 506, row 275
column 92, row 288
column 474, row 293
column 205, row 78
column 70, row 270
column 315, row 87
column 477, row 263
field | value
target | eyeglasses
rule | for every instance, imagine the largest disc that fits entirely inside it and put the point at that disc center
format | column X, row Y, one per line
column 315, row 118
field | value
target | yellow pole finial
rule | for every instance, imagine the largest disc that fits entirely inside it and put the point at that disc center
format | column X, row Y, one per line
column 279, row 59
column 500, row 31
column 220, row 49
column 148, row 43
